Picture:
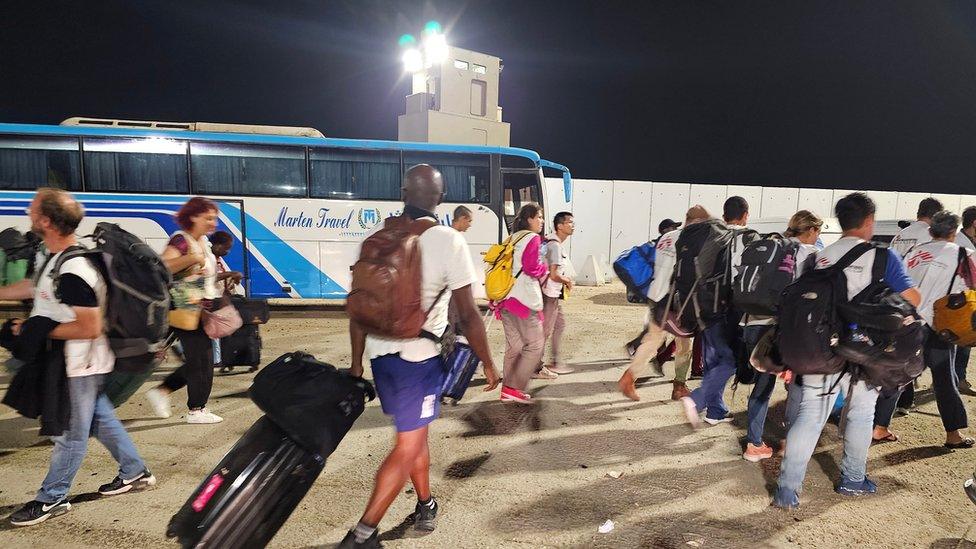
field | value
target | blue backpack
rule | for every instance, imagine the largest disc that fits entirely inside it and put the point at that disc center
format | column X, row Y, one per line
column 635, row 268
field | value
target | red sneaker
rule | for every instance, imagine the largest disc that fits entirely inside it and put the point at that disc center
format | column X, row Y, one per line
column 514, row 395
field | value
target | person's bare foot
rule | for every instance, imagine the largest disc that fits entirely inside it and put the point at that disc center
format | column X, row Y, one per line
column 882, row 435
column 626, row 385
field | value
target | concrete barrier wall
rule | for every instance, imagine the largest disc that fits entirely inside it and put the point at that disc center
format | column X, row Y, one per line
column 614, row 215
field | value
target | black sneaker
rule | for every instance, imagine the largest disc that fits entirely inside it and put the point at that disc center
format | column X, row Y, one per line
column 120, row 486
column 349, row 542
column 425, row 515
column 37, row 512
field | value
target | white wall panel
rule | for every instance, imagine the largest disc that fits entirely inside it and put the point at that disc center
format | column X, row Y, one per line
column 838, row 194
column 886, row 203
column 965, row 201
column 752, row 194
column 631, row 220
column 951, row 202
column 555, row 202
column 908, row 205
column 668, row 200
column 712, row 197
column 818, row 201
column 592, row 204
column 777, row 203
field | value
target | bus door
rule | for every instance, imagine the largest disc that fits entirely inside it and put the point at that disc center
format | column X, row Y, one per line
column 519, row 186
column 231, row 220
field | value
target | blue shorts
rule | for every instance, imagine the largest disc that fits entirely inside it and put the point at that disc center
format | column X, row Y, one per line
column 410, row 392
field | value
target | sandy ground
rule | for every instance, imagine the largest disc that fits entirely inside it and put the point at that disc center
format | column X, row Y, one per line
column 514, row 476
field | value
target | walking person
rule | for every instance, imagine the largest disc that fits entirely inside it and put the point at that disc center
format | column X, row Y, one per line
column 189, row 257
column 805, row 227
column 855, row 213
column 720, row 334
column 935, row 266
column 409, row 373
column 966, row 238
column 521, row 312
column 555, row 288
column 228, row 281
column 76, row 312
column 664, row 262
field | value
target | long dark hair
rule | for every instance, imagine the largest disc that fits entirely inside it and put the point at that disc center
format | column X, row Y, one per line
column 525, row 213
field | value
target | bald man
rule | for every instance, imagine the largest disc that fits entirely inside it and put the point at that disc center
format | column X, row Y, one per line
column 409, row 373
column 75, row 312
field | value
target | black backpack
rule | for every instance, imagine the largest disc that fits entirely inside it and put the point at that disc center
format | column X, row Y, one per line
column 702, row 280
column 768, row 267
column 137, row 280
column 884, row 334
column 17, row 245
column 810, row 324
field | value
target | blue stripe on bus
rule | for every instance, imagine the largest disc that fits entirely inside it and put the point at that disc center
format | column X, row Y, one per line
column 306, row 278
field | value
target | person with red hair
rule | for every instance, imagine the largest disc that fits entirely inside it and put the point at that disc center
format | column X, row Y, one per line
column 189, row 257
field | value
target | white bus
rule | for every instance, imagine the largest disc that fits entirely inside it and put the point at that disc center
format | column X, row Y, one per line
column 296, row 203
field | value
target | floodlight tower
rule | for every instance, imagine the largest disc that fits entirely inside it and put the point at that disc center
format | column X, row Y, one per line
column 454, row 95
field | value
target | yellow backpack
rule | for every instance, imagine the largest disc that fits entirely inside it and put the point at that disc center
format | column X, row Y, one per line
column 499, row 261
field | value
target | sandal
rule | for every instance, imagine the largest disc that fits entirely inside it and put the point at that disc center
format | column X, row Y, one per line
column 961, row 445
column 890, row 437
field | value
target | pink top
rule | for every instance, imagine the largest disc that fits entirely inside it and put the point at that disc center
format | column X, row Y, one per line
column 533, row 266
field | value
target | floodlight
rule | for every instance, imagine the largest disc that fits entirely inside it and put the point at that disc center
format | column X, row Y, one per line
column 435, row 49
column 413, row 60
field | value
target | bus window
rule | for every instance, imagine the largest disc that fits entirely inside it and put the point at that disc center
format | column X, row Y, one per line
column 520, row 188
column 247, row 170
column 27, row 163
column 354, row 174
column 513, row 161
column 136, row 165
column 467, row 177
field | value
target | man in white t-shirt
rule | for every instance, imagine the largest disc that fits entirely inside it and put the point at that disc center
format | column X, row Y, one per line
column 937, row 268
column 409, row 373
column 554, row 289
column 665, row 257
column 77, row 305
column 918, row 231
column 855, row 213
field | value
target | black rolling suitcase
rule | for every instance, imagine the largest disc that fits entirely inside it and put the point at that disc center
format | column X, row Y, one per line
column 249, row 495
column 252, row 311
column 241, row 348
column 310, row 406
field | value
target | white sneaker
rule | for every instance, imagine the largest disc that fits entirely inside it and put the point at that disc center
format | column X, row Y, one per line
column 691, row 412
column 202, row 416
column 159, row 402
column 545, row 373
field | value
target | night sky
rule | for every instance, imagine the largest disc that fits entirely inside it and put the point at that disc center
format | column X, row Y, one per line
column 839, row 94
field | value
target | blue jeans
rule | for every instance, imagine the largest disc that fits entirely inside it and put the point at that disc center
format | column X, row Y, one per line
column 91, row 414
column 761, row 391
column 812, row 413
column 719, row 368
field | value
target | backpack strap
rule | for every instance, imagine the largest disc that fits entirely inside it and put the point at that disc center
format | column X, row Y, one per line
column 961, row 263
column 880, row 265
column 853, row 255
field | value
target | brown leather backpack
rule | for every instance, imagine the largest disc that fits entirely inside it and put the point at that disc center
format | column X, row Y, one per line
column 385, row 295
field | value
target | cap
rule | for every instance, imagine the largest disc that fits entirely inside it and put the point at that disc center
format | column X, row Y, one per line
column 667, row 226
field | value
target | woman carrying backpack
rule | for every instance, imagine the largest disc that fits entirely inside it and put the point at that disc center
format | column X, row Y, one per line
column 189, row 257
column 521, row 310
column 805, row 227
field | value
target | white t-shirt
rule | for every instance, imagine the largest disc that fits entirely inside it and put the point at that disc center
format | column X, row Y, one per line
column 555, row 254
column 83, row 357
column 912, row 235
column 445, row 262
column 209, row 271
column 665, row 258
column 965, row 241
column 931, row 266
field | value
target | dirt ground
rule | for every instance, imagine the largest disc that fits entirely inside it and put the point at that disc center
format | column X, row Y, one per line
column 516, row 476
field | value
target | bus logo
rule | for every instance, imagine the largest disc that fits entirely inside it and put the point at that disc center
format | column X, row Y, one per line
column 368, row 217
